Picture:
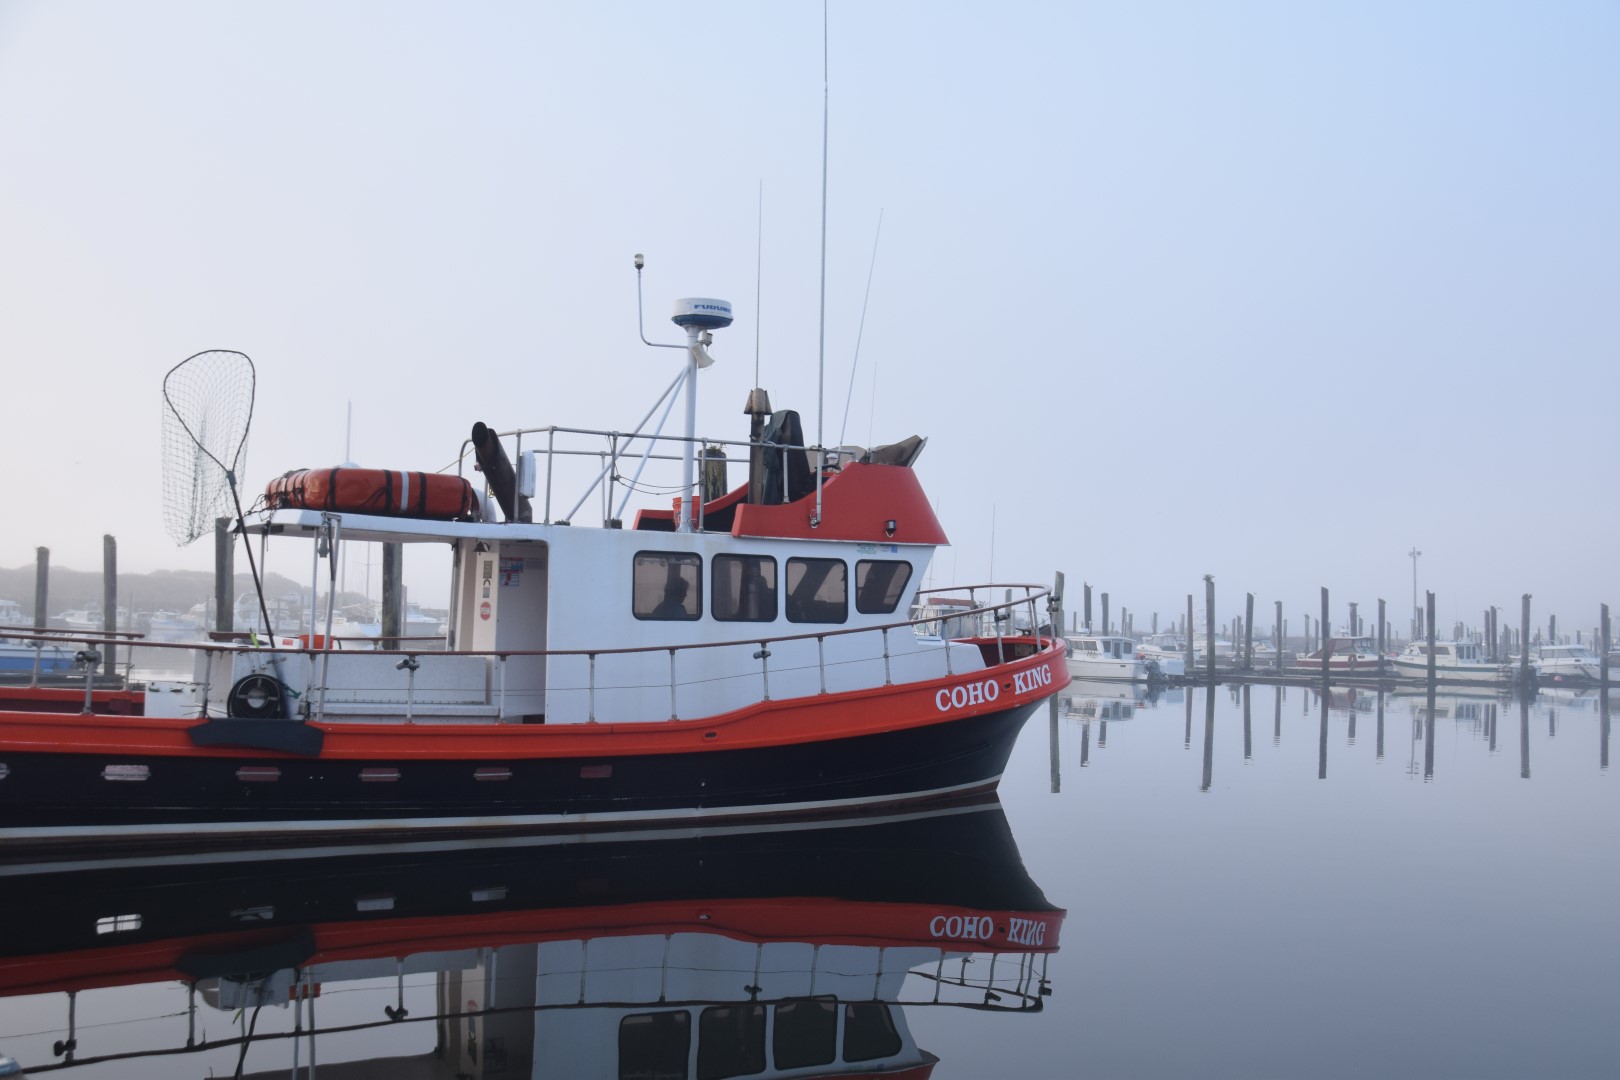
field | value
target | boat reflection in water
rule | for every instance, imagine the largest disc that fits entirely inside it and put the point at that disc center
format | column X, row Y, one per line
column 771, row 951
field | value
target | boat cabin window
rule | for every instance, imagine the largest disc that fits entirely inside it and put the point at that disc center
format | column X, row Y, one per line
column 817, row 591
column 879, row 584
column 743, row 588
column 731, row 1041
column 655, row 1046
column 667, row 585
column 1442, row 650
column 805, row 1034
column 869, row 1031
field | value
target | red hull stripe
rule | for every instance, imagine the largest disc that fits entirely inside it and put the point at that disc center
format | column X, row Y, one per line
column 812, row 920
column 762, row 725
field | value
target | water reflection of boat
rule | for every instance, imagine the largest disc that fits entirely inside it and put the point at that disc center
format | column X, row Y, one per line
column 665, row 957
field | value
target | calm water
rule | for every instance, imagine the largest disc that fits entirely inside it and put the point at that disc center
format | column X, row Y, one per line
column 1255, row 887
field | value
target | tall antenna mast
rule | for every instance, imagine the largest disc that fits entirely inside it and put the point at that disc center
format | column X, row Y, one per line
column 859, row 333
column 821, row 352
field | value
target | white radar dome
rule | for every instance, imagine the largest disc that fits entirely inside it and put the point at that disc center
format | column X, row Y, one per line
column 703, row 312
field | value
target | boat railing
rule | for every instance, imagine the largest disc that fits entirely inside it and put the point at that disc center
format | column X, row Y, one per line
column 410, row 688
column 556, row 443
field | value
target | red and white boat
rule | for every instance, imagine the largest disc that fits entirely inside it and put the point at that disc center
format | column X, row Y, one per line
column 1356, row 656
column 747, row 653
column 765, row 951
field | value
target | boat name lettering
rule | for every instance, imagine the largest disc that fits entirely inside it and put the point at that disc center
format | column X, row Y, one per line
column 1025, row 681
column 1026, row 932
column 959, row 697
column 962, row 927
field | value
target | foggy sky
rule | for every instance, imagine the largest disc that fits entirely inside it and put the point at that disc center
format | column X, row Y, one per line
column 1269, row 291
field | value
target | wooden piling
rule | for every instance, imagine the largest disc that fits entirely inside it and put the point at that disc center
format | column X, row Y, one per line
column 1086, row 592
column 1323, row 626
column 42, row 585
column 1552, row 629
column 1105, row 613
column 1209, row 629
column 1248, row 632
column 1188, row 640
column 1428, row 614
column 1524, row 643
column 109, row 600
column 1603, row 650
column 1382, row 638
column 224, row 576
column 1277, row 636
column 393, row 594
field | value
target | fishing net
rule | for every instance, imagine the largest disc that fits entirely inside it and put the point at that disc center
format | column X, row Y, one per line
column 207, row 408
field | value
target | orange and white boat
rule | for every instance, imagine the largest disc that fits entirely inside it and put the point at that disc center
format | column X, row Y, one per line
column 746, row 653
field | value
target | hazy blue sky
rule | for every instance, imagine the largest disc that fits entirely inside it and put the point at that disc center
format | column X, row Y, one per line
column 1272, row 291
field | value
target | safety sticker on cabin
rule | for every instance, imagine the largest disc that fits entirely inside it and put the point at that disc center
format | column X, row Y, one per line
column 483, row 610
column 511, row 572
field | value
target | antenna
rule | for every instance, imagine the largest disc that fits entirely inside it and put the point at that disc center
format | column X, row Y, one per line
column 208, row 409
column 697, row 315
column 860, row 332
column 759, row 266
column 821, row 349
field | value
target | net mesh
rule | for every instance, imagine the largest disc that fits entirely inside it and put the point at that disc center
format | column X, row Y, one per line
column 207, row 407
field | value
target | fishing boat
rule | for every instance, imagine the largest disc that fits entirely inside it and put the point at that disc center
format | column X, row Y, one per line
column 1567, row 663
column 23, row 656
column 733, row 951
column 1454, row 662
column 745, row 653
column 1169, row 651
column 1105, row 656
column 1356, row 656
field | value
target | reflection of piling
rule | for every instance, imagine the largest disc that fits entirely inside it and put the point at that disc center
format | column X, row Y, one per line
column 1186, row 736
column 1321, row 738
column 1428, row 733
column 1380, row 720
column 1524, row 650
column 1248, row 742
column 1524, row 726
column 1209, row 736
column 1603, row 726
column 1490, row 725
column 1276, row 720
column 1085, row 743
column 1052, row 740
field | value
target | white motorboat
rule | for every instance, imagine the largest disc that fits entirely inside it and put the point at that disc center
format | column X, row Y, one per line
column 1454, row 662
column 1104, row 656
column 1169, row 651
column 1561, row 663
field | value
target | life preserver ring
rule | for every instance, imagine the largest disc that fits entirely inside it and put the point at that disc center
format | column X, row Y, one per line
column 257, row 697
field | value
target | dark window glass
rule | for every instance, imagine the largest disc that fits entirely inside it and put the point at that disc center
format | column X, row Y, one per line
column 654, row 1046
column 806, row 1034
column 878, row 585
column 743, row 588
column 667, row 585
column 869, row 1032
column 731, row 1041
column 817, row 591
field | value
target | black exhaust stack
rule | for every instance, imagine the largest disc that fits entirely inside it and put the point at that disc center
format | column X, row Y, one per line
column 497, row 469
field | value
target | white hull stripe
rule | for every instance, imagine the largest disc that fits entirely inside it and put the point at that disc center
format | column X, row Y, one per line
column 361, row 825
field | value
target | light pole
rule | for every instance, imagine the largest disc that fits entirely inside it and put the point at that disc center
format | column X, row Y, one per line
column 1416, row 615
